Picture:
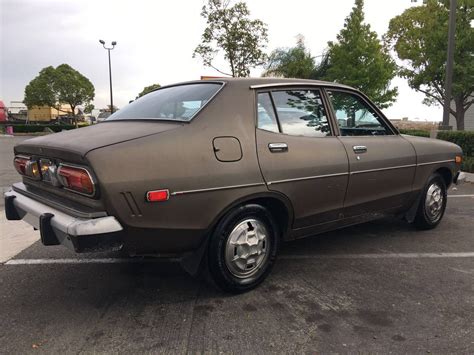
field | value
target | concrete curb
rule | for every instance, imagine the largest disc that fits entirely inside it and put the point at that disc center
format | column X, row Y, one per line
column 467, row 177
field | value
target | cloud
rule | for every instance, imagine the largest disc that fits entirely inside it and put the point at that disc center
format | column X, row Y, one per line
column 156, row 40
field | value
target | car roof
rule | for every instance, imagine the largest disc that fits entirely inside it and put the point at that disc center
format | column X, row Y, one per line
column 257, row 83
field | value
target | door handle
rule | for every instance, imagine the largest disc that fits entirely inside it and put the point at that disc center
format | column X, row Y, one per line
column 359, row 149
column 278, row 147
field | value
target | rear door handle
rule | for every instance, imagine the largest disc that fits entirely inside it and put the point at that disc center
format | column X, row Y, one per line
column 359, row 149
column 278, row 147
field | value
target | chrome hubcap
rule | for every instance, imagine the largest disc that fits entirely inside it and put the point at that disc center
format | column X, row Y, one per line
column 434, row 202
column 246, row 248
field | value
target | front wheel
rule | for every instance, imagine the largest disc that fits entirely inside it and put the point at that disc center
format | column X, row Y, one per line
column 243, row 248
column 432, row 203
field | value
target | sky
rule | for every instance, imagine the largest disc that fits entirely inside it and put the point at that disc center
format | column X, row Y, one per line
column 156, row 39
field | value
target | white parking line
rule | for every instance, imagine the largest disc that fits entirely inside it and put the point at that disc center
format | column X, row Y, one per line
column 89, row 261
column 460, row 195
column 285, row 257
column 380, row 256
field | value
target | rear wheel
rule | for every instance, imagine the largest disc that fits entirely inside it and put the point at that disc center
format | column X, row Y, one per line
column 432, row 203
column 243, row 248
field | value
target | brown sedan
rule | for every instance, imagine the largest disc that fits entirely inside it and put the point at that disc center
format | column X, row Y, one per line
column 220, row 172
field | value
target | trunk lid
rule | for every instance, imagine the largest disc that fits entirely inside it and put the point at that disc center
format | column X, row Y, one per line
column 73, row 145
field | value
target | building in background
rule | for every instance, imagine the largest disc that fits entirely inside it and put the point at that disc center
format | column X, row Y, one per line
column 46, row 113
column 17, row 111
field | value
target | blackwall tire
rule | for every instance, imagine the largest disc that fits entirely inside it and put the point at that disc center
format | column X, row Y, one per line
column 243, row 248
column 432, row 203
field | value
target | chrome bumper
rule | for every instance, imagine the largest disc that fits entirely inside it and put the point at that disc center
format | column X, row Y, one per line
column 57, row 227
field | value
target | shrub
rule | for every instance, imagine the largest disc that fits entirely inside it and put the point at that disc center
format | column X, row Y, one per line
column 462, row 138
column 468, row 164
column 415, row 132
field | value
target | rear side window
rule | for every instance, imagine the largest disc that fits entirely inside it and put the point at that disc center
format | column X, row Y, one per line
column 180, row 103
column 301, row 113
column 265, row 113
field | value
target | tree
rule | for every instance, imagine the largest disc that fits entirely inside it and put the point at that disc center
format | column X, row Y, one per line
column 294, row 62
column 148, row 89
column 63, row 85
column 72, row 88
column 230, row 30
column 108, row 109
column 358, row 59
column 88, row 108
column 40, row 91
column 419, row 37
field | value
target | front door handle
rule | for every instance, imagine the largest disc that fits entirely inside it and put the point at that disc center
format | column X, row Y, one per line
column 278, row 147
column 359, row 149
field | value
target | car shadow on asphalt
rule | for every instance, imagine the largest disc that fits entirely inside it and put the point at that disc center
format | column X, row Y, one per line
column 151, row 277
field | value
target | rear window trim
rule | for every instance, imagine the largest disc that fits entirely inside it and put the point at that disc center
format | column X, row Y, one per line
column 222, row 85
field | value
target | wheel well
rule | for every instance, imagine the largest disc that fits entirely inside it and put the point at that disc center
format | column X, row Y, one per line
column 446, row 174
column 278, row 210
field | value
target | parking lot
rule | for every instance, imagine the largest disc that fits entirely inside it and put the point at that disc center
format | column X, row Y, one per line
column 377, row 287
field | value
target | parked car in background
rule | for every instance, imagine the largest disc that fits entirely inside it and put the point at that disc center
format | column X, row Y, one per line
column 221, row 172
column 102, row 116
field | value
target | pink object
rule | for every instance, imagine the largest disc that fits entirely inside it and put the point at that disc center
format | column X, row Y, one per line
column 9, row 130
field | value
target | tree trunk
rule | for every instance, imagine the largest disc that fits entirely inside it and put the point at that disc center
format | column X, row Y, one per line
column 460, row 119
column 73, row 108
column 460, row 111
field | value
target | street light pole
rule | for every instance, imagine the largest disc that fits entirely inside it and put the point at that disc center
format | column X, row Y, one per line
column 449, row 63
column 110, row 72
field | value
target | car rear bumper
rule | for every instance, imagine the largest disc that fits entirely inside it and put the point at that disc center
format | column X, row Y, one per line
column 57, row 227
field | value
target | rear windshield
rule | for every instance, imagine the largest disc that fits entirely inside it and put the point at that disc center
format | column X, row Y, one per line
column 180, row 103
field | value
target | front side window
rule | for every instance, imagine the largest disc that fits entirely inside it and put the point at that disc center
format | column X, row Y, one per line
column 180, row 103
column 355, row 117
column 301, row 113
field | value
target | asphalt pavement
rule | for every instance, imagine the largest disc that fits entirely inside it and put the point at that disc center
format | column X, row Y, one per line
column 378, row 287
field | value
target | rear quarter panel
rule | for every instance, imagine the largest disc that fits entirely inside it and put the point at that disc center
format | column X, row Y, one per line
column 182, row 160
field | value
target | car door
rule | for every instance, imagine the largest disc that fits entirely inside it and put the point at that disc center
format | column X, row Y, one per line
column 382, row 163
column 299, row 154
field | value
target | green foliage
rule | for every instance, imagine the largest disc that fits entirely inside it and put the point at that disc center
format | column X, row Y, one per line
column 415, row 132
column 419, row 37
column 468, row 164
column 88, row 108
column 53, row 87
column 40, row 91
column 462, row 138
column 230, row 30
column 294, row 62
column 148, row 89
column 72, row 87
column 358, row 59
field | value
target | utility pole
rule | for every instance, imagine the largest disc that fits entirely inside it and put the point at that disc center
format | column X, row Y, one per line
column 449, row 64
column 110, row 73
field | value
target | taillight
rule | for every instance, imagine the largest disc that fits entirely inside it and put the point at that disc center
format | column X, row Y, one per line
column 20, row 164
column 27, row 167
column 76, row 179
